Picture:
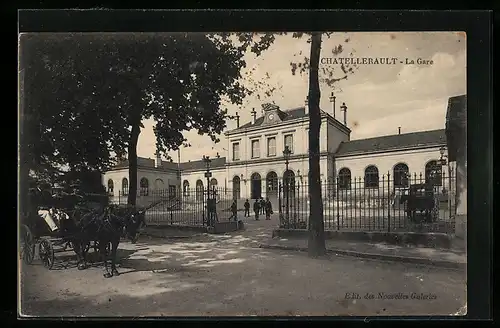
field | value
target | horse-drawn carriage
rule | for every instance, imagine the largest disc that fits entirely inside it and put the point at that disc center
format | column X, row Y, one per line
column 55, row 224
column 52, row 226
column 420, row 200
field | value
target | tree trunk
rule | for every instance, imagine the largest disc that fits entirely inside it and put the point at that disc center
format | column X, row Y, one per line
column 132, row 161
column 316, row 242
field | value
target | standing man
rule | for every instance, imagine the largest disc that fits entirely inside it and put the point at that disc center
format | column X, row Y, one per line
column 234, row 211
column 256, row 209
column 268, row 208
column 247, row 208
column 262, row 206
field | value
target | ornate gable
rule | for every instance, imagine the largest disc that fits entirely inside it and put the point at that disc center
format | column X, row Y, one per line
column 271, row 113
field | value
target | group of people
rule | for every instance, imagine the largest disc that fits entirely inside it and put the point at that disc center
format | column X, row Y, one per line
column 260, row 206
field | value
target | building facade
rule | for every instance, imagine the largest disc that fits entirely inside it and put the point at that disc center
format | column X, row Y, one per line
column 153, row 176
column 255, row 160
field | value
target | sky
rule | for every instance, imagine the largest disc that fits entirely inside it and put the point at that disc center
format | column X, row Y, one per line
column 380, row 98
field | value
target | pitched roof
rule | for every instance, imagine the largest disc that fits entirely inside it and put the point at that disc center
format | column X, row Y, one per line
column 147, row 162
column 193, row 165
column 285, row 115
column 392, row 142
column 201, row 165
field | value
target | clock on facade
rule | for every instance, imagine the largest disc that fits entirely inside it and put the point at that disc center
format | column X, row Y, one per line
column 271, row 117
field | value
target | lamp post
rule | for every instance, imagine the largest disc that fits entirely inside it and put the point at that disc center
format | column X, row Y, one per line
column 442, row 159
column 286, row 155
column 298, row 189
column 208, row 175
column 444, row 162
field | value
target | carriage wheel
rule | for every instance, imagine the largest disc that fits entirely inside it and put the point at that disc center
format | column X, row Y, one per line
column 46, row 253
column 27, row 241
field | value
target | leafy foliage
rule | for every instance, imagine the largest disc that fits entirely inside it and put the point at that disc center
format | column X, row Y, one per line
column 329, row 75
column 64, row 125
column 86, row 95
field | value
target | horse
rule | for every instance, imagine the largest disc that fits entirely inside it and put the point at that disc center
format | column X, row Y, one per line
column 417, row 203
column 106, row 229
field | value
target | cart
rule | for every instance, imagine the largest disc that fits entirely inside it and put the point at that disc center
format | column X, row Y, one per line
column 420, row 199
column 53, row 231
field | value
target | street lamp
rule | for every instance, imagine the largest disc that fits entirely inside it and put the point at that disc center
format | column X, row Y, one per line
column 298, row 189
column 442, row 159
column 286, row 155
column 443, row 162
column 208, row 175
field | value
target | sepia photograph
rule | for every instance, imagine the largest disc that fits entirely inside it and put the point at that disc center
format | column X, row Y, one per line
column 242, row 174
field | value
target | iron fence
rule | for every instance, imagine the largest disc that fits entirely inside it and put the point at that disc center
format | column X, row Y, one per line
column 191, row 207
column 413, row 204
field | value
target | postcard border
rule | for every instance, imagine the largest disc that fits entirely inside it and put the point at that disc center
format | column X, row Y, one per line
column 476, row 24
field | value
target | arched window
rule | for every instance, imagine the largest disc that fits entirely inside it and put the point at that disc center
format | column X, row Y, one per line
column 255, row 186
column 185, row 188
column 344, row 178
column 199, row 190
column 433, row 173
column 159, row 184
column 144, row 186
column 272, row 183
column 159, row 187
column 124, row 186
column 400, row 175
column 371, row 177
column 110, row 186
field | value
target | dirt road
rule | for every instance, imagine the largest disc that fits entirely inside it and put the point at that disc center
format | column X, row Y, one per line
column 227, row 275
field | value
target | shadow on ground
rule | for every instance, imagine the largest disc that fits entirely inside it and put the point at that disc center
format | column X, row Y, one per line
column 225, row 275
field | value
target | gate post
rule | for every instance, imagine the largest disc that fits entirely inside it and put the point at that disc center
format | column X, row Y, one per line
column 388, row 202
column 338, row 202
column 280, row 209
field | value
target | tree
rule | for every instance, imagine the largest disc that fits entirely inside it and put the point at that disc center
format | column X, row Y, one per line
column 178, row 80
column 86, row 94
column 330, row 77
column 316, row 240
column 61, row 128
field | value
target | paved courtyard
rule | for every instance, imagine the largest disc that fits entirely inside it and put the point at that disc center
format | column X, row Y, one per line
column 228, row 275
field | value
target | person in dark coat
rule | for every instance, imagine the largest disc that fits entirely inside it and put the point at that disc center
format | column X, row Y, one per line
column 234, row 211
column 262, row 206
column 256, row 209
column 268, row 208
column 247, row 208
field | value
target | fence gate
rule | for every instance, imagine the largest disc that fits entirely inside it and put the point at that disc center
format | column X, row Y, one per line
column 292, row 205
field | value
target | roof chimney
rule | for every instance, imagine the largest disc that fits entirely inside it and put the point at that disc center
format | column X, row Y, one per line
column 254, row 115
column 158, row 160
column 399, row 130
column 332, row 100
column 306, row 105
column 237, row 120
column 343, row 108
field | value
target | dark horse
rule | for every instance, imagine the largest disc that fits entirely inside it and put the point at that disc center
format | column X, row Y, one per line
column 420, row 198
column 107, row 228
